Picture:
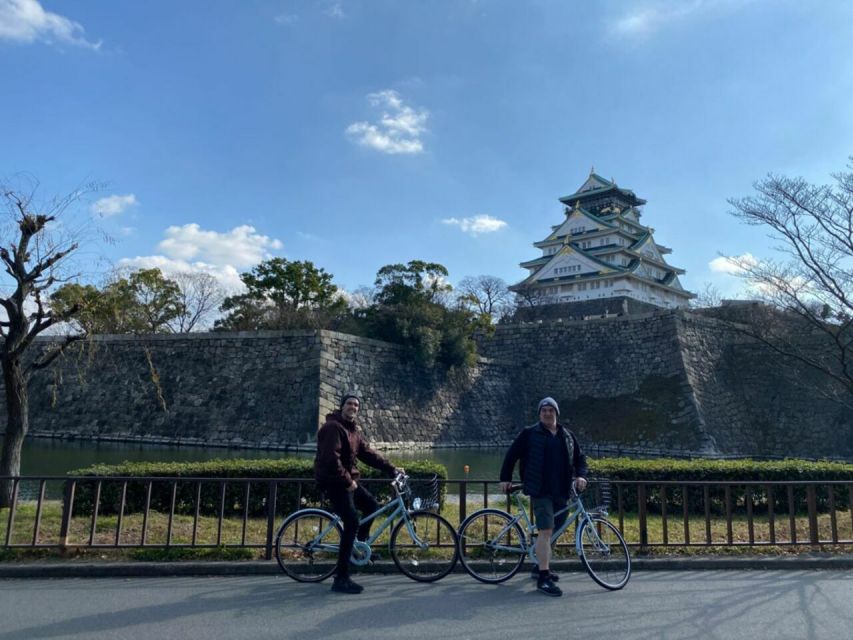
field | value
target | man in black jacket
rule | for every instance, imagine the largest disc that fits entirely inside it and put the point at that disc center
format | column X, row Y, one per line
column 550, row 458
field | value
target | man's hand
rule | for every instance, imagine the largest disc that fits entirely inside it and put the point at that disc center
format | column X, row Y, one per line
column 580, row 484
column 353, row 486
column 399, row 471
column 506, row 486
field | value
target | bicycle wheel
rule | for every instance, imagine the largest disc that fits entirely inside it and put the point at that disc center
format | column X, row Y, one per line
column 306, row 546
column 491, row 545
column 427, row 552
column 604, row 553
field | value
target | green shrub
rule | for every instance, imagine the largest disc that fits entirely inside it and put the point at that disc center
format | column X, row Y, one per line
column 289, row 496
column 751, row 472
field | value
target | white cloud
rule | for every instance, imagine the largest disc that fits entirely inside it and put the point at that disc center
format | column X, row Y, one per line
column 644, row 20
column 27, row 21
column 477, row 224
column 189, row 249
column 227, row 275
column 241, row 247
column 398, row 130
column 113, row 205
column 732, row 265
column 335, row 10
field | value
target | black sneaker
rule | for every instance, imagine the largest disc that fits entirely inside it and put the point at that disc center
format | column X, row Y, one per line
column 547, row 587
column 535, row 575
column 346, row 585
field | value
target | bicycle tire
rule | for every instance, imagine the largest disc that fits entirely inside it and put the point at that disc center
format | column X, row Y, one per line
column 294, row 542
column 603, row 553
column 432, row 554
column 478, row 552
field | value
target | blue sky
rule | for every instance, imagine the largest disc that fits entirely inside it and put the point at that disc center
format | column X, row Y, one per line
column 361, row 133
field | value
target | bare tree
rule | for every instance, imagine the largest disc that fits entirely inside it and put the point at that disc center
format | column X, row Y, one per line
column 530, row 296
column 33, row 251
column 709, row 296
column 487, row 295
column 359, row 298
column 809, row 290
column 201, row 296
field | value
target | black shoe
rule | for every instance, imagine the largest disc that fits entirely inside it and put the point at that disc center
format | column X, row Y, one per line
column 547, row 587
column 345, row 585
column 535, row 575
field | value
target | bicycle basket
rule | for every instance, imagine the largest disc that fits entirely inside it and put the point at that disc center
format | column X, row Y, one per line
column 424, row 493
column 599, row 492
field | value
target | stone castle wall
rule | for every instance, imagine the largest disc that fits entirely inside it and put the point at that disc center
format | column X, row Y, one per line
column 240, row 389
column 669, row 382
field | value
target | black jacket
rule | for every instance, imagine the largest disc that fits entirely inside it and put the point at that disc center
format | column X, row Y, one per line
column 529, row 448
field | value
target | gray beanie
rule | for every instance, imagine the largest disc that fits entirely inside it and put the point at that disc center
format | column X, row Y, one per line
column 548, row 402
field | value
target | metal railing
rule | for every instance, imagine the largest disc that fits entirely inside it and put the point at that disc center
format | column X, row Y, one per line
column 201, row 512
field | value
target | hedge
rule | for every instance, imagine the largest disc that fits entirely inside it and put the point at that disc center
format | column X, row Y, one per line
column 747, row 470
column 185, row 497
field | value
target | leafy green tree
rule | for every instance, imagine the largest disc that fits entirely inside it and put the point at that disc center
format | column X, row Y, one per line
column 88, row 301
column 283, row 295
column 153, row 300
column 417, row 281
column 144, row 301
column 410, row 308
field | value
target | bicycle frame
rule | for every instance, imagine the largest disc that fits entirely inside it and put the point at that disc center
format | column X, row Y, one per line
column 529, row 549
column 362, row 549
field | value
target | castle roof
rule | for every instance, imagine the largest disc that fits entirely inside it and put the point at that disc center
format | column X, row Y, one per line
column 596, row 186
column 601, row 238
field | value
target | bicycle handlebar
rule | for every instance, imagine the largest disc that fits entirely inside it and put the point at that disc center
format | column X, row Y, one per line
column 517, row 486
column 399, row 482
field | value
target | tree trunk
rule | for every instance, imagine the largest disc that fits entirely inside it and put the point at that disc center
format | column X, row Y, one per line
column 18, row 422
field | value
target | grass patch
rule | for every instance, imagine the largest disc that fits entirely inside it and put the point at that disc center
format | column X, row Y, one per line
column 225, row 538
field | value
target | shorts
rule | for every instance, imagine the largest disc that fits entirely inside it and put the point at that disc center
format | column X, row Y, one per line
column 543, row 512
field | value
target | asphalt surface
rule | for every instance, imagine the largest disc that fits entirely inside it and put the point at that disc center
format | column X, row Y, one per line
column 796, row 604
column 71, row 568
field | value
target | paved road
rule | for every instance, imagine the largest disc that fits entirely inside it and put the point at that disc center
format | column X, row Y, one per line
column 684, row 604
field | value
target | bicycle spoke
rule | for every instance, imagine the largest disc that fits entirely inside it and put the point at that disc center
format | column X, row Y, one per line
column 604, row 553
column 491, row 546
column 306, row 546
column 424, row 548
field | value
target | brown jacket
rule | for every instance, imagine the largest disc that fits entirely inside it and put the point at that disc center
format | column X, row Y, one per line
column 339, row 444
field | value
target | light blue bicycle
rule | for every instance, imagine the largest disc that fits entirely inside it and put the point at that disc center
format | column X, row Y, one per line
column 493, row 543
column 422, row 544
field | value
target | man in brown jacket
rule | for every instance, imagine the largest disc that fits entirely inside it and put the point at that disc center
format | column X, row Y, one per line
column 340, row 443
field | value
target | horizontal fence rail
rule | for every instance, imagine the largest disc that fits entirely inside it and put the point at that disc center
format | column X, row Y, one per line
column 204, row 512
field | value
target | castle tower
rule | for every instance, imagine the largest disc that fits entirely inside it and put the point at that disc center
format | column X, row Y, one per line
column 602, row 250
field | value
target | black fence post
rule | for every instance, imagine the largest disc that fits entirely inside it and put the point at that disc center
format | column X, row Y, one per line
column 641, row 504
column 271, row 500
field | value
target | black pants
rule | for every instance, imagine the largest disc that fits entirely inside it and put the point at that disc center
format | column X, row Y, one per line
column 347, row 504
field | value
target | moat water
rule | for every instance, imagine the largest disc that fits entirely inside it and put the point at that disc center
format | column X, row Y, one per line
column 57, row 457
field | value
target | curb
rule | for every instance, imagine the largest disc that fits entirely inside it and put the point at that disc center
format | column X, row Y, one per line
column 257, row 568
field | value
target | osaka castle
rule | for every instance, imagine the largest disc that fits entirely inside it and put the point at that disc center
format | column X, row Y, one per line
column 602, row 250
